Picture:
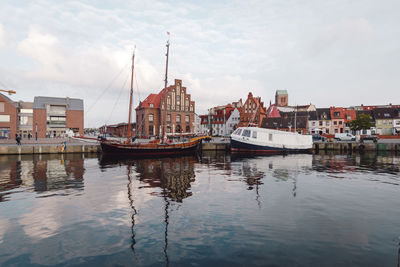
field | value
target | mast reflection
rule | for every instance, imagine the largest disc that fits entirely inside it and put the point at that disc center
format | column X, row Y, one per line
column 172, row 175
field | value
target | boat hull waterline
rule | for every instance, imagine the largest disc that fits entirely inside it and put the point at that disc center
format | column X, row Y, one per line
column 149, row 149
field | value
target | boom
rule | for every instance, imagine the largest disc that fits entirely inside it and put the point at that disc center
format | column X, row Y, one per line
column 8, row 91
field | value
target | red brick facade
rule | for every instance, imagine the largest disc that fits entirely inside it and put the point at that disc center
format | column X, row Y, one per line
column 252, row 112
column 39, row 122
column 171, row 110
column 75, row 120
column 8, row 115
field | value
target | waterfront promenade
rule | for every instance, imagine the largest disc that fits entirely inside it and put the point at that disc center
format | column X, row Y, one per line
column 48, row 146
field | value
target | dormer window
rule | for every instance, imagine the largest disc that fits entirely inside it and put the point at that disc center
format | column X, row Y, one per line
column 151, row 105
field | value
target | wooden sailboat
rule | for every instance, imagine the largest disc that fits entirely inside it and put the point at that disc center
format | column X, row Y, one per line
column 150, row 148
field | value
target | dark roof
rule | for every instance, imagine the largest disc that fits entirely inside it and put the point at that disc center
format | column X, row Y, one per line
column 274, row 123
column 386, row 113
column 323, row 113
column 40, row 102
column 367, row 112
column 313, row 115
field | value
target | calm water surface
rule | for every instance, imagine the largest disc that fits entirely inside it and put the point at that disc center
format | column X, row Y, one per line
column 214, row 210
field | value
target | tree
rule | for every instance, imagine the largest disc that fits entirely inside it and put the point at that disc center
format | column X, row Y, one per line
column 363, row 122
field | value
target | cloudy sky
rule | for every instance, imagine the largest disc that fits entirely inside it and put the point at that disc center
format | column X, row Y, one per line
column 335, row 52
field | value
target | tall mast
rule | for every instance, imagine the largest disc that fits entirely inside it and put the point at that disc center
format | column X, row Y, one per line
column 165, row 91
column 128, row 135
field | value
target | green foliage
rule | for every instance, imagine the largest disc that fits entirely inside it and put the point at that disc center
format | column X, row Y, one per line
column 363, row 122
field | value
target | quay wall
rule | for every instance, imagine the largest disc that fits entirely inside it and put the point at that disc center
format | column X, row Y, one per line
column 206, row 146
column 352, row 146
column 49, row 149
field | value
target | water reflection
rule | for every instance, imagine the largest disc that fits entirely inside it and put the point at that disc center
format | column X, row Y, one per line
column 338, row 164
column 41, row 173
column 279, row 210
column 173, row 175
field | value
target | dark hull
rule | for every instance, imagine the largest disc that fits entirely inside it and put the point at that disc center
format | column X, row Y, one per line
column 241, row 147
column 156, row 150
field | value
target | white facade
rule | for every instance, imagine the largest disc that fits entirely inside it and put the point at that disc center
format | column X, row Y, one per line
column 232, row 121
column 197, row 125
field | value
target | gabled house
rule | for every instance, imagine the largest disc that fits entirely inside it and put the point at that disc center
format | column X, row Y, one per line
column 170, row 111
column 324, row 121
column 337, row 118
column 252, row 112
column 8, row 117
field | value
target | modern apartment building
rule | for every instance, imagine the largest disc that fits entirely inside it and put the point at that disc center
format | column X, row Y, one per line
column 53, row 116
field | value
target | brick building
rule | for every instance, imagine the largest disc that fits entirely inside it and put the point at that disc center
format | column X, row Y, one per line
column 8, row 117
column 171, row 109
column 252, row 112
column 53, row 116
column 118, row 130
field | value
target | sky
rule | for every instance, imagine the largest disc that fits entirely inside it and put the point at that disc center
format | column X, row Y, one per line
column 328, row 53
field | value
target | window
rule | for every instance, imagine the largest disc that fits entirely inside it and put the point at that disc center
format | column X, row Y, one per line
column 340, row 122
column 151, row 117
column 348, row 117
column 151, row 129
column 1, row 106
column 320, row 123
column 168, row 117
column 188, row 129
column 187, row 119
column 328, row 123
column 313, row 123
column 335, row 123
column 246, row 133
column 270, row 137
column 237, row 131
column 151, row 105
column 255, row 134
column 336, row 114
column 178, row 118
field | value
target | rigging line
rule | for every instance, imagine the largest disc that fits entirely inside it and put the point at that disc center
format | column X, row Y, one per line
column 137, row 86
column 116, row 102
column 108, row 87
column 2, row 84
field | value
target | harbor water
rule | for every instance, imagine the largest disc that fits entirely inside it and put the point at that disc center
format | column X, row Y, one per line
column 212, row 209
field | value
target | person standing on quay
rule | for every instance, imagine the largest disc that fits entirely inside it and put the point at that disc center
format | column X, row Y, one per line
column 18, row 139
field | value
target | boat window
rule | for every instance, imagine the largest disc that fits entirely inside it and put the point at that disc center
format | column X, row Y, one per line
column 270, row 137
column 246, row 133
column 254, row 134
column 238, row 131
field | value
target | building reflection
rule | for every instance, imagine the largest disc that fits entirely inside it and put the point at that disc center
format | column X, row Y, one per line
column 367, row 162
column 173, row 175
column 41, row 173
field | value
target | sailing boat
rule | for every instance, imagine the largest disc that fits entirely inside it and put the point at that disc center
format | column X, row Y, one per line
column 150, row 148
